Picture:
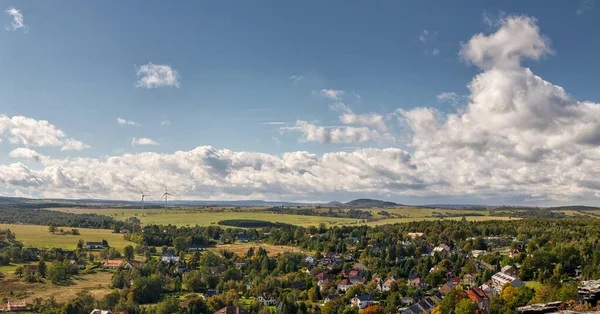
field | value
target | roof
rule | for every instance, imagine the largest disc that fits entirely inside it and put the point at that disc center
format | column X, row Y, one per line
column 364, row 297
column 114, row 263
column 344, row 282
column 231, row 310
column 93, row 243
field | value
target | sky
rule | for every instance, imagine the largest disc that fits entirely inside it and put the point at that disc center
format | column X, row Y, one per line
column 420, row 102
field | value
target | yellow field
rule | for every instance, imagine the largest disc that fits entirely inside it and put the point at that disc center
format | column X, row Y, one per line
column 95, row 284
column 38, row 236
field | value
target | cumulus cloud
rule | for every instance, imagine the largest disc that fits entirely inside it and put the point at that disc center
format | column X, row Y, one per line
column 122, row 121
column 423, row 36
column 156, row 75
column 518, row 137
column 143, row 141
column 36, row 133
column 165, row 123
column 273, row 123
column 17, row 22
column 332, row 94
column 26, row 153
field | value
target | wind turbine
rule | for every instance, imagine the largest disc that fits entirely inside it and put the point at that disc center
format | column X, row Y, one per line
column 143, row 195
column 166, row 196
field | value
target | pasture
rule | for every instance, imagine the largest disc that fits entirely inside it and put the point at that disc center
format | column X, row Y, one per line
column 212, row 215
column 38, row 236
column 242, row 248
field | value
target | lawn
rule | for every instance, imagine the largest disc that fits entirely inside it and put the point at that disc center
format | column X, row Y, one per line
column 38, row 236
column 533, row 284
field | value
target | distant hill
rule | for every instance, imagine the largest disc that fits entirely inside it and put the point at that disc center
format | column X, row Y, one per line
column 574, row 207
column 454, row 206
column 368, row 203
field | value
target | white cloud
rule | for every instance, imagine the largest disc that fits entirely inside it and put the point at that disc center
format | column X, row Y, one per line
column 165, row 123
column 35, row 133
column 338, row 134
column 73, row 144
column 519, row 138
column 332, row 94
column 143, row 141
column 122, row 121
column 517, row 38
column 17, row 22
column 423, row 36
column 23, row 152
column 449, row 97
column 296, row 78
column 435, row 51
column 273, row 123
column 157, row 75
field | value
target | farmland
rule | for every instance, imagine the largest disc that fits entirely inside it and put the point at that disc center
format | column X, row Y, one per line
column 212, row 215
column 38, row 236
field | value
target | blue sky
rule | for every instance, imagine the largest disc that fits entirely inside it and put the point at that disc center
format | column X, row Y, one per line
column 75, row 65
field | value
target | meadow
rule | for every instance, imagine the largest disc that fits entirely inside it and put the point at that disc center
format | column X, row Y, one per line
column 38, row 236
column 212, row 215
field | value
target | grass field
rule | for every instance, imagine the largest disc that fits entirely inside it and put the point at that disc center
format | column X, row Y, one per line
column 242, row 248
column 38, row 236
column 95, row 284
column 533, row 284
column 210, row 216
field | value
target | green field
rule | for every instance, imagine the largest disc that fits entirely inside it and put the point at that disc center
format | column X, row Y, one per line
column 211, row 216
column 38, row 236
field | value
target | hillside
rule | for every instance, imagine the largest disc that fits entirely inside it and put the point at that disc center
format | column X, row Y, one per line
column 368, row 203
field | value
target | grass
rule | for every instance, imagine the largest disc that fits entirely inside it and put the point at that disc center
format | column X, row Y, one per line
column 96, row 284
column 242, row 248
column 38, row 236
column 211, row 216
column 535, row 285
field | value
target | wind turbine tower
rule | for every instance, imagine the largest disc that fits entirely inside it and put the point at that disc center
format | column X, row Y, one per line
column 166, row 196
column 143, row 195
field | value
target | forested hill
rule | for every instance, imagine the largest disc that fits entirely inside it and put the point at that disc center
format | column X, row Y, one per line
column 11, row 215
column 368, row 203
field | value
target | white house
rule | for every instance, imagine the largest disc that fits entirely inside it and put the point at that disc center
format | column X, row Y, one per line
column 169, row 259
column 442, row 248
column 388, row 283
column 93, row 245
column 362, row 301
column 500, row 279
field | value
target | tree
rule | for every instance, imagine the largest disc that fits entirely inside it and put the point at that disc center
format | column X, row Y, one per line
column 19, row 271
column 52, row 228
column 465, row 306
column 168, row 306
column 373, row 309
column 197, row 306
column 129, row 252
column 80, row 244
column 42, row 268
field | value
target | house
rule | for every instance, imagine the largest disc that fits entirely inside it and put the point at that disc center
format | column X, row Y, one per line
column 406, row 300
column 231, row 310
column 441, row 249
column 481, row 265
column 322, row 282
column 414, row 235
column 265, row 300
column 358, row 280
column 16, row 306
column 93, row 245
column 510, row 270
column 329, row 298
column 513, row 253
column 489, row 292
column 116, row 264
column 478, row 296
column 96, row 311
column 362, row 301
column 500, row 279
column 344, row 285
column 476, row 253
column 359, row 266
column 210, row 293
column 309, row 260
column 456, row 281
column 135, row 263
column 447, row 287
column 387, row 285
column 240, row 263
column 80, row 264
column 30, row 269
column 180, row 269
column 426, row 305
column 244, row 238
column 417, row 282
column 378, row 283
column 169, row 259
column 349, row 273
column 469, row 279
